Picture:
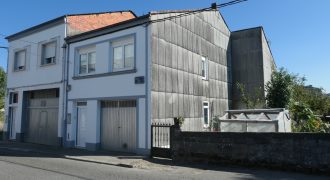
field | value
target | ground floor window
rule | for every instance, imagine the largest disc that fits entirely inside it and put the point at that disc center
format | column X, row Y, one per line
column 206, row 113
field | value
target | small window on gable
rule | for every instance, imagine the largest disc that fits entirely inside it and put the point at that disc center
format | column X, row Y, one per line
column 206, row 114
column 123, row 54
column 87, row 61
column 20, row 60
column 204, row 68
column 48, row 53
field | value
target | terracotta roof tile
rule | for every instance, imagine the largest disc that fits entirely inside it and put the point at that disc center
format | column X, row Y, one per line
column 82, row 23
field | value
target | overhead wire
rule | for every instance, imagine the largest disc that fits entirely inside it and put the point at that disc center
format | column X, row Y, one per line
column 180, row 14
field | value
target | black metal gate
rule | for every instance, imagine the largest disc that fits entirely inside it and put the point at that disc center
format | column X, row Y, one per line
column 161, row 140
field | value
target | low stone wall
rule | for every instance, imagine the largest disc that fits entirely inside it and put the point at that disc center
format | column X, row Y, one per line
column 294, row 151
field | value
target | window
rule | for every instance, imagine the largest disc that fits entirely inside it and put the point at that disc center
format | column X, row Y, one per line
column 19, row 62
column 48, row 53
column 206, row 113
column 123, row 54
column 87, row 62
column 204, row 68
column 13, row 98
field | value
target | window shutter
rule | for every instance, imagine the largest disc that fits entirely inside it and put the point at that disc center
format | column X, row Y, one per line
column 50, row 50
column 20, row 61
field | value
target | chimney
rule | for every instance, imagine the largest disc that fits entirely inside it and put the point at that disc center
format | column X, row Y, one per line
column 214, row 6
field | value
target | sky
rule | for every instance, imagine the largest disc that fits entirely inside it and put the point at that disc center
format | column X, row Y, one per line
column 298, row 30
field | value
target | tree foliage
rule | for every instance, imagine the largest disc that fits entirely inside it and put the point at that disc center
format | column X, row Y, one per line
column 286, row 90
column 279, row 89
column 2, row 87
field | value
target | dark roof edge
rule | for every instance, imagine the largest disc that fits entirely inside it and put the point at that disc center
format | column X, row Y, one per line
column 33, row 29
column 52, row 23
column 109, row 29
column 247, row 29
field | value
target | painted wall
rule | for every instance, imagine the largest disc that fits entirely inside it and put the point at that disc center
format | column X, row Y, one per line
column 35, row 77
column 105, row 85
column 35, row 74
column 178, row 46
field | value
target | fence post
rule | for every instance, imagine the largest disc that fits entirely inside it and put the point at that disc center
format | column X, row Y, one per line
column 152, row 141
column 174, row 131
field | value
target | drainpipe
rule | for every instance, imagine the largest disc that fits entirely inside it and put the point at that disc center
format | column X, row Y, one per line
column 64, row 74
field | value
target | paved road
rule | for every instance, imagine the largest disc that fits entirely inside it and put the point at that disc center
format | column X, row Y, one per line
column 27, row 165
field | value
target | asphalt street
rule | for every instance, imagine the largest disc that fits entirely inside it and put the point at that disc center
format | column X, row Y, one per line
column 31, row 166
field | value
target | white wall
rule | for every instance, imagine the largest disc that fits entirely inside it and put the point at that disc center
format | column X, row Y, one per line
column 112, row 85
column 35, row 77
column 94, row 89
column 34, row 73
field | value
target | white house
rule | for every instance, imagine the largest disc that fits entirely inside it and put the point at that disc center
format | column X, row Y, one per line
column 36, row 75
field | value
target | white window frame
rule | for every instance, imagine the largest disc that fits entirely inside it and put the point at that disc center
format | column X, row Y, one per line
column 205, row 65
column 208, row 113
column 122, row 42
column 87, row 52
column 43, row 46
column 15, row 60
column 11, row 98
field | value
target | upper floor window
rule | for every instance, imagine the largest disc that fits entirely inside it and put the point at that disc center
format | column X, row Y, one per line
column 123, row 54
column 87, row 61
column 20, row 60
column 48, row 53
column 204, row 68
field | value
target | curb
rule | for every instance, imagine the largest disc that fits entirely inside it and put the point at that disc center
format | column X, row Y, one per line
column 97, row 162
column 69, row 157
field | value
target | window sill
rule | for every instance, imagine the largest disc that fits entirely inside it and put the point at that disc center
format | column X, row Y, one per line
column 46, row 65
column 104, row 74
column 19, row 70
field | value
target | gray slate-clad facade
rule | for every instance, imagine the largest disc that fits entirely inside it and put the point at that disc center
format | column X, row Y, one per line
column 178, row 88
column 252, row 63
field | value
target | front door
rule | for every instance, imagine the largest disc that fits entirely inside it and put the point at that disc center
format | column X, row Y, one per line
column 81, row 125
column 12, row 123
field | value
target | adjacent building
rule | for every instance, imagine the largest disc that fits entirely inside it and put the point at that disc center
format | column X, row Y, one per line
column 252, row 64
column 114, row 81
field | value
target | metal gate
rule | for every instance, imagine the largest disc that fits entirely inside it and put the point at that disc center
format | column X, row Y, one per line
column 118, row 125
column 161, row 143
column 42, row 121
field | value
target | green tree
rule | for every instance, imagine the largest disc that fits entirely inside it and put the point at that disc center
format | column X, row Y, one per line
column 289, row 91
column 279, row 89
column 2, row 87
column 2, row 94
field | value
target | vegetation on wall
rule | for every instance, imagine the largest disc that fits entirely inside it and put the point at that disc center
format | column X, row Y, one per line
column 251, row 101
column 305, row 104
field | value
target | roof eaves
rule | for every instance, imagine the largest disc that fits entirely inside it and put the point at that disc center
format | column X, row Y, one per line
column 247, row 29
column 36, row 28
column 109, row 29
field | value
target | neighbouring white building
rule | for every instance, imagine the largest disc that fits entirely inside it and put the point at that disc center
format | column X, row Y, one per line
column 36, row 75
column 110, row 84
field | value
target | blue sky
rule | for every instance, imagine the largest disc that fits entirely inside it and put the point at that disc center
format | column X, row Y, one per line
column 297, row 30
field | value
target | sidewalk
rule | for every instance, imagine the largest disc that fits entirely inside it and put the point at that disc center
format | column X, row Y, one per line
column 100, row 157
